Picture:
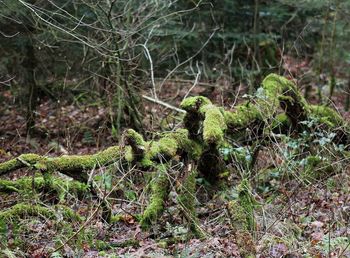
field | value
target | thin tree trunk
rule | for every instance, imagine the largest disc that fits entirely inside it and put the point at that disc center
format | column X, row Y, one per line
column 29, row 64
column 347, row 102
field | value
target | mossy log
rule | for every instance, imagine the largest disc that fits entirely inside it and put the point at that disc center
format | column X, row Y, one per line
column 75, row 166
column 277, row 106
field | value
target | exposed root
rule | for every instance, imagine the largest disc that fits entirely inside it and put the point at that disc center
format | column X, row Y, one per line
column 167, row 147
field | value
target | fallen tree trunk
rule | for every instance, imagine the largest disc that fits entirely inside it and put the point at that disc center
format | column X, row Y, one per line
column 277, row 106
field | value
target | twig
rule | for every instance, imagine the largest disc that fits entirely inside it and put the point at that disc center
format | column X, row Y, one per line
column 157, row 101
column 202, row 84
column 187, row 60
column 149, row 57
column 195, row 81
column 24, row 162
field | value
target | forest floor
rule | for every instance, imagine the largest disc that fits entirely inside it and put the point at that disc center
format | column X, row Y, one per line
column 295, row 219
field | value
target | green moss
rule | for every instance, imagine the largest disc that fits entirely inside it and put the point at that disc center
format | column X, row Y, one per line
column 21, row 210
column 116, row 218
column 122, row 217
column 134, row 136
column 146, row 163
column 326, row 115
column 7, row 186
column 159, row 192
column 193, row 104
column 68, row 213
column 187, row 200
column 276, row 91
column 135, row 146
column 64, row 187
column 281, row 123
column 241, row 228
column 281, row 91
column 275, row 86
column 181, row 137
column 195, row 150
column 74, row 165
column 243, row 115
column 65, row 162
column 152, row 149
column 167, row 146
column 21, row 185
column 128, row 155
column 105, row 157
column 213, row 125
column 21, row 161
column 79, row 162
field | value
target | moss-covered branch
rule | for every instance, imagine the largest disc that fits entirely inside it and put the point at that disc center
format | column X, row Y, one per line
column 74, row 166
column 168, row 146
column 201, row 111
column 22, row 210
column 24, row 160
column 159, row 192
column 276, row 92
